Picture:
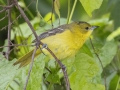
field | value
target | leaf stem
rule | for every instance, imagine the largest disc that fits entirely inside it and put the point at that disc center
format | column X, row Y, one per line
column 71, row 14
column 117, row 86
column 68, row 15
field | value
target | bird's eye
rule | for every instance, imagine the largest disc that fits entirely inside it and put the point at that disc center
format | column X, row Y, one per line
column 86, row 28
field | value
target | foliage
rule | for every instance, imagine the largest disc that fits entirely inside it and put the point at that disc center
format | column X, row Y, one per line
column 84, row 69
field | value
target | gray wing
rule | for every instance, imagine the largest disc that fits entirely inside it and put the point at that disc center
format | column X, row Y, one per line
column 51, row 32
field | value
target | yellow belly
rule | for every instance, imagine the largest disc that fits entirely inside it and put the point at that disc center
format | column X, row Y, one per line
column 61, row 45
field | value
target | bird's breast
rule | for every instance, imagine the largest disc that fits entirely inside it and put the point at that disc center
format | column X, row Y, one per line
column 62, row 45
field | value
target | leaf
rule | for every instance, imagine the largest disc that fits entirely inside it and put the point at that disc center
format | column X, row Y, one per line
column 114, row 34
column 24, row 30
column 91, row 5
column 53, row 78
column 35, row 79
column 86, row 74
column 7, row 72
column 86, row 50
column 107, row 52
column 57, row 7
column 48, row 17
column 115, row 14
column 22, row 50
column 114, row 82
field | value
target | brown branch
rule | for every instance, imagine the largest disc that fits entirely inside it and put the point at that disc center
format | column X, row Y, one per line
column 30, row 69
column 7, row 7
column 100, row 63
column 11, row 22
column 9, row 29
column 4, row 17
column 3, row 10
column 15, row 45
column 27, row 21
column 52, row 13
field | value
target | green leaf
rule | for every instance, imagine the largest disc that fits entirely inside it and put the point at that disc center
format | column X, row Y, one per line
column 86, row 74
column 115, row 14
column 86, row 49
column 91, row 5
column 23, row 29
column 107, row 52
column 35, row 79
column 114, row 34
column 115, row 82
column 7, row 72
column 53, row 78
column 22, row 50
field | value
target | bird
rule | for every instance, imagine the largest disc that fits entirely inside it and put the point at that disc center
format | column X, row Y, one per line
column 64, row 41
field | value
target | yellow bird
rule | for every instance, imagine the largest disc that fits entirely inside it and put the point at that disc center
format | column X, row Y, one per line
column 64, row 41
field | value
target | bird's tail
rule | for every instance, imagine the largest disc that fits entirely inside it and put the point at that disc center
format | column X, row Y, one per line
column 26, row 59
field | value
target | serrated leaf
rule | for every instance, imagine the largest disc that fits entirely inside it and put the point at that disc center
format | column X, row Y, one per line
column 57, row 7
column 85, row 75
column 7, row 72
column 91, row 5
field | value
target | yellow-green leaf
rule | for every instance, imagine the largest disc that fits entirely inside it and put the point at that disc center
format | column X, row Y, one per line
column 91, row 5
column 48, row 17
column 57, row 7
column 86, row 74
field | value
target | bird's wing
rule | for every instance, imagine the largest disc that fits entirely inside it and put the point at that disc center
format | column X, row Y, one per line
column 51, row 32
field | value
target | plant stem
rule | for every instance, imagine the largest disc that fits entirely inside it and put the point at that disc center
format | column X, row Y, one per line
column 71, row 14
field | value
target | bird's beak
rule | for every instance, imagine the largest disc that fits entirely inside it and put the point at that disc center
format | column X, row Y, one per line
column 94, row 27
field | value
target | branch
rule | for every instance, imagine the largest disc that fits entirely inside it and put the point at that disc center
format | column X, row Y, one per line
column 4, row 17
column 6, row 7
column 27, row 21
column 31, row 65
column 9, row 29
column 15, row 45
column 100, row 63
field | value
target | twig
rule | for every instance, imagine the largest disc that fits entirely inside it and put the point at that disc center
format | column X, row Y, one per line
column 3, row 17
column 11, row 22
column 3, row 53
column 7, row 7
column 27, row 21
column 52, row 13
column 9, row 29
column 68, row 14
column 15, row 45
column 71, row 14
column 30, row 69
column 100, row 63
